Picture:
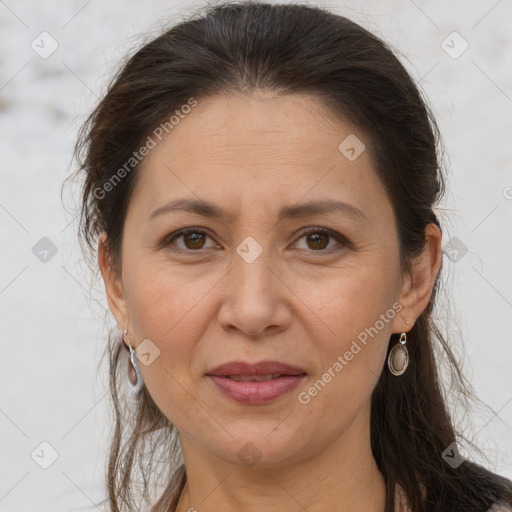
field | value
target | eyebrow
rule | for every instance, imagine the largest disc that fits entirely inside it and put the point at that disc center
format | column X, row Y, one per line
column 211, row 210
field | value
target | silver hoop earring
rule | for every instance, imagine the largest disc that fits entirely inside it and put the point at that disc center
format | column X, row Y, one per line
column 136, row 386
column 398, row 359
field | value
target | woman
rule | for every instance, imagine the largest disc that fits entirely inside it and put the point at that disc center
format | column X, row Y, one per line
column 261, row 181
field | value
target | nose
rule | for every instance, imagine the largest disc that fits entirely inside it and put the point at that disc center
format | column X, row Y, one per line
column 256, row 300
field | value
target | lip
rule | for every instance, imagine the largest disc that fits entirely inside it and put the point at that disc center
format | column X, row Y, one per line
column 238, row 368
column 254, row 393
column 251, row 392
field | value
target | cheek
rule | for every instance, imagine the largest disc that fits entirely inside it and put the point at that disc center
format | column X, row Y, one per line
column 354, row 307
column 158, row 294
column 167, row 305
column 351, row 358
column 349, row 300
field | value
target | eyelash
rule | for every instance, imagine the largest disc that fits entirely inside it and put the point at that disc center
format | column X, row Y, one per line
column 332, row 234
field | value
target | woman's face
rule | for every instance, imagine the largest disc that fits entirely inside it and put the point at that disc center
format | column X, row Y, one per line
column 248, row 284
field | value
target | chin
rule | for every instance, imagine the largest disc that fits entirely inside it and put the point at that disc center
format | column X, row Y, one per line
column 255, row 450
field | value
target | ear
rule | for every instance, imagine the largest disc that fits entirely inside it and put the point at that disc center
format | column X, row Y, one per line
column 113, row 284
column 418, row 285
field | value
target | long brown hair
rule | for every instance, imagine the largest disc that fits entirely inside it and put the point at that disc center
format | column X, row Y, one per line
column 242, row 47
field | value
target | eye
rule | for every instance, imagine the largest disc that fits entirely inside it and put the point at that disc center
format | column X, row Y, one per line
column 317, row 239
column 193, row 239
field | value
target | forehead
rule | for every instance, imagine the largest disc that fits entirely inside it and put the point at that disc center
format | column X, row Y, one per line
column 257, row 130
column 259, row 148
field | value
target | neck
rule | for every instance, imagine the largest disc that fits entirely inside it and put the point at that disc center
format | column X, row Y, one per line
column 343, row 476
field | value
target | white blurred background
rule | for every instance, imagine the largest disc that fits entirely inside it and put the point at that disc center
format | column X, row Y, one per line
column 53, row 332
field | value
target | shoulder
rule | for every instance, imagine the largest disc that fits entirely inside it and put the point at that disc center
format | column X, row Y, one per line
column 498, row 507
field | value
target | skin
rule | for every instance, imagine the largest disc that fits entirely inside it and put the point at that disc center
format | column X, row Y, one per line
column 302, row 301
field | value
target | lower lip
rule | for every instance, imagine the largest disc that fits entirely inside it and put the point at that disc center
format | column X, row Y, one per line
column 256, row 392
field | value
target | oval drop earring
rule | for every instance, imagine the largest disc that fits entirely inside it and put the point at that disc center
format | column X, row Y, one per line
column 136, row 386
column 398, row 359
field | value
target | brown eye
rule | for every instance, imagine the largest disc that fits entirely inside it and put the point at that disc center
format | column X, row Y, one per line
column 191, row 240
column 319, row 240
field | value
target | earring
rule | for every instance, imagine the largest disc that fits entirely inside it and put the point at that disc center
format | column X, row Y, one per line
column 139, row 382
column 398, row 359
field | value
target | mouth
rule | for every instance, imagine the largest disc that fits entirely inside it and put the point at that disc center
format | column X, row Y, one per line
column 258, row 383
column 265, row 369
column 254, row 378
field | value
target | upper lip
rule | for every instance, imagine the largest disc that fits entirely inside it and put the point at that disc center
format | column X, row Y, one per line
column 243, row 368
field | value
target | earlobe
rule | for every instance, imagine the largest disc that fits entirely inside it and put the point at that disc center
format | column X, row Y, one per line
column 113, row 285
column 418, row 286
